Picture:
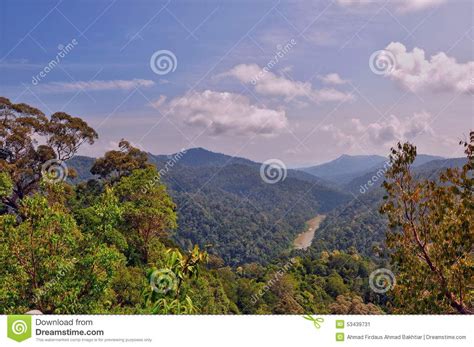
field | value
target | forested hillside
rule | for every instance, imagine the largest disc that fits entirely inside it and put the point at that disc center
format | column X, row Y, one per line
column 224, row 205
column 140, row 236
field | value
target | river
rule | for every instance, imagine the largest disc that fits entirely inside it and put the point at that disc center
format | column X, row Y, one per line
column 304, row 239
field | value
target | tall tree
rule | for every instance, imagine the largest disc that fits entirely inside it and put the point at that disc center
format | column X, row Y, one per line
column 29, row 139
column 117, row 163
column 432, row 233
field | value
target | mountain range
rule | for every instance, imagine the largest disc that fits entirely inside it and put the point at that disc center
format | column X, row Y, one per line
column 224, row 205
column 347, row 167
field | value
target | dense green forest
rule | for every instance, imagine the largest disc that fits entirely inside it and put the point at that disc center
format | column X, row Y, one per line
column 117, row 234
column 223, row 204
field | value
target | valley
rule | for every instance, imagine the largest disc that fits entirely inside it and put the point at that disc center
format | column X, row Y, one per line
column 224, row 205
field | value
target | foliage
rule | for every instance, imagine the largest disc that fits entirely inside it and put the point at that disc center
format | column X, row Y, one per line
column 125, row 241
column 352, row 305
column 167, row 294
column 147, row 213
column 118, row 163
column 355, row 225
column 22, row 128
column 432, row 234
column 49, row 264
column 238, row 217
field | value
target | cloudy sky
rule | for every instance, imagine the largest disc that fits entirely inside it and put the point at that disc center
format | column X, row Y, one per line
column 301, row 81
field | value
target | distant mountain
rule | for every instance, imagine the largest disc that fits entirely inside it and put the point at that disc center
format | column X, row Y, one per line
column 202, row 157
column 440, row 164
column 346, row 167
column 82, row 165
column 422, row 159
column 424, row 165
column 349, row 167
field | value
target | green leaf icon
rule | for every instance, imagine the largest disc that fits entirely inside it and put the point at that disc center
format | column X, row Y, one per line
column 19, row 327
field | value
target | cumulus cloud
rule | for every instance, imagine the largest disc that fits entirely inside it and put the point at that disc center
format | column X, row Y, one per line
column 438, row 73
column 97, row 85
column 400, row 5
column 383, row 132
column 333, row 78
column 269, row 84
column 224, row 113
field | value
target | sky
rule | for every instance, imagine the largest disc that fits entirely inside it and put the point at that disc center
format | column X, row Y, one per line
column 299, row 81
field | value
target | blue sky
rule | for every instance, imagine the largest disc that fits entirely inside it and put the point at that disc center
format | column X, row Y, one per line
column 258, row 79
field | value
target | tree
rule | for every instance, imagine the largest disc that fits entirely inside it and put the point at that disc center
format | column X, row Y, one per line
column 432, row 233
column 116, row 164
column 49, row 264
column 84, row 248
column 353, row 304
column 148, row 213
column 22, row 129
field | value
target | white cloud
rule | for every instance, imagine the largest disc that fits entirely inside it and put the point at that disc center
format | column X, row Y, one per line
column 383, row 132
column 333, row 78
column 225, row 113
column 402, row 6
column 417, row 5
column 438, row 73
column 267, row 83
column 96, row 85
column 159, row 102
column 354, row 2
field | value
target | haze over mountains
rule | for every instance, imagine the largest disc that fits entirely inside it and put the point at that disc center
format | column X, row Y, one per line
column 223, row 203
column 347, row 167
